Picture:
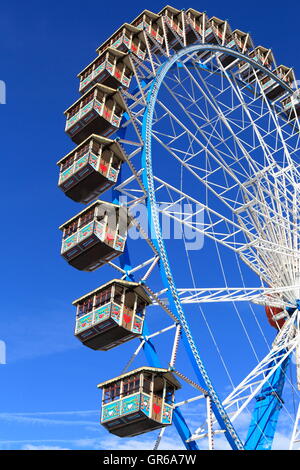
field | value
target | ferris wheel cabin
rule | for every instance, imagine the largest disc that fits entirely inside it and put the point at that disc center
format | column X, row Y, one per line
column 217, row 31
column 138, row 401
column 111, row 68
column 111, row 315
column 195, row 26
column 126, row 38
column 95, row 236
column 90, row 169
column 98, row 111
column 262, row 56
column 238, row 41
column 274, row 89
column 172, row 20
column 291, row 105
column 148, row 21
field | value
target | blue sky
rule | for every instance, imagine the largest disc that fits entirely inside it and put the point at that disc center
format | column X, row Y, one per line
column 48, row 389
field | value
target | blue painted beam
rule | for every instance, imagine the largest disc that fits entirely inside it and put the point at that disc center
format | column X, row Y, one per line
column 183, row 430
column 266, row 412
column 149, row 349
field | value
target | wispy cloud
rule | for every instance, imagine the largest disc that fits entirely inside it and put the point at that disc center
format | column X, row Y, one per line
column 42, row 447
column 39, row 418
column 55, row 413
column 38, row 444
column 145, row 442
column 95, row 437
column 44, row 421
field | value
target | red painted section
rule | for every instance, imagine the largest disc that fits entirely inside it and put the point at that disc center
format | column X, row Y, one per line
column 270, row 312
column 109, row 237
column 156, row 408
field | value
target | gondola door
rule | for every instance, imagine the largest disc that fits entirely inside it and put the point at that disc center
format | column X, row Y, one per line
column 157, row 405
column 127, row 317
column 128, row 309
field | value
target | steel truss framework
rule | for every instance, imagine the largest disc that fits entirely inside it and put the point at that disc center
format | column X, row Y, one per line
column 236, row 146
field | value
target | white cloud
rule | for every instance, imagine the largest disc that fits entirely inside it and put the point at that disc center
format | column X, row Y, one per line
column 143, row 442
column 281, row 441
column 54, row 413
column 37, row 444
column 42, row 447
column 19, row 418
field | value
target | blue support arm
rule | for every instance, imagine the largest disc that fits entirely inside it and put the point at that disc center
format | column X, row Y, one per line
column 266, row 412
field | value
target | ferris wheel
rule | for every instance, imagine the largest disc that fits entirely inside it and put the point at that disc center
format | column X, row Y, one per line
column 191, row 133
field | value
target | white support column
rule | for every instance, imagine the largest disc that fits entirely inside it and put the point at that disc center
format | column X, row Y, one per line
column 154, row 263
column 134, row 355
column 151, row 395
column 159, row 438
column 137, row 79
column 166, row 37
column 102, row 403
column 183, row 28
column 209, row 424
column 175, row 345
column 149, row 53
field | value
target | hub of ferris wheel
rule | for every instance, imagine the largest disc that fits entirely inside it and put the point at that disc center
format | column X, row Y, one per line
column 112, row 125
